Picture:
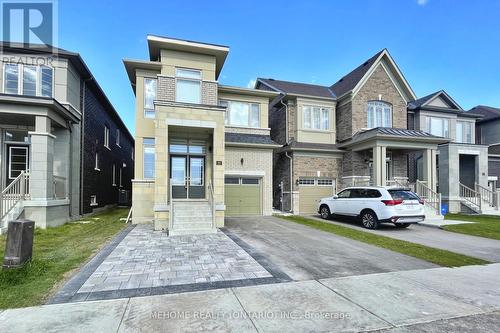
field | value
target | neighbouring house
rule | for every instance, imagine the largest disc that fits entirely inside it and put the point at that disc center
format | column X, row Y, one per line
column 370, row 128
column 488, row 133
column 64, row 149
column 203, row 149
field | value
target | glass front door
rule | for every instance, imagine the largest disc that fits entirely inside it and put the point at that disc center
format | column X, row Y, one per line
column 18, row 160
column 188, row 177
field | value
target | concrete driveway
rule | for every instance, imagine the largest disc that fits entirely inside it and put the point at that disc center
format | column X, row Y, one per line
column 304, row 253
column 479, row 247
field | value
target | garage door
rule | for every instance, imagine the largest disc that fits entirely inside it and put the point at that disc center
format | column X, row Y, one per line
column 242, row 196
column 311, row 190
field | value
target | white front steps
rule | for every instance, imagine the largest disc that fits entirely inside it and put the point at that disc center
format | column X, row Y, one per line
column 192, row 217
column 13, row 214
column 431, row 214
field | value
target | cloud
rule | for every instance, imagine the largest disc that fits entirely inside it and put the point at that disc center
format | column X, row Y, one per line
column 251, row 83
column 422, row 2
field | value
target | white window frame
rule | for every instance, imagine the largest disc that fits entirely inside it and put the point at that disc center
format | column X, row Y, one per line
column 150, row 146
column 118, row 137
column 372, row 106
column 445, row 129
column 309, row 124
column 10, row 159
column 106, row 136
column 183, row 78
column 120, row 176
column 113, row 177
column 227, row 120
column 38, row 78
column 464, row 125
column 96, row 166
column 20, row 79
column 19, row 76
column 93, row 200
column 148, row 112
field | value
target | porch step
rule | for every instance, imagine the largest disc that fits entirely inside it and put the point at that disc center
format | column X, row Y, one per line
column 430, row 213
column 192, row 217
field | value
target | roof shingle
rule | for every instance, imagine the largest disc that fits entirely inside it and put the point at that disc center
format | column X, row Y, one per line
column 289, row 87
column 488, row 112
column 249, row 138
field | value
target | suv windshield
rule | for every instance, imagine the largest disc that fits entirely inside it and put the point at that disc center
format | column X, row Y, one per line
column 403, row 195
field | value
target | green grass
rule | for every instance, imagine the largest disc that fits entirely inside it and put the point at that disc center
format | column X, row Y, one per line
column 486, row 225
column 56, row 251
column 430, row 254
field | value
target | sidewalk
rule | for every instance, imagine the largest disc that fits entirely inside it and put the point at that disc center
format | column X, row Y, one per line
column 365, row 302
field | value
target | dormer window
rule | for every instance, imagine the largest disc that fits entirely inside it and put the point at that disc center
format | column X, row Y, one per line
column 379, row 114
column 188, row 86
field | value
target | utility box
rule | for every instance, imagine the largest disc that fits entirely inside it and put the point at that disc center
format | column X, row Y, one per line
column 19, row 245
column 123, row 198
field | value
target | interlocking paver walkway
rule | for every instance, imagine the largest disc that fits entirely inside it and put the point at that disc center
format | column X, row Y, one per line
column 147, row 258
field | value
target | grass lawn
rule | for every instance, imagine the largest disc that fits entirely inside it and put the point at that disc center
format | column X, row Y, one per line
column 56, row 251
column 486, row 225
column 436, row 256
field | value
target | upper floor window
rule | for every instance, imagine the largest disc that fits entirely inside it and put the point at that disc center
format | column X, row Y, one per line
column 437, row 126
column 316, row 117
column 464, row 132
column 106, row 136
column 241, row 113
column 97, row 164
column 149, row 97
column 149, row 158
column 379, row 114
column 113, row 175
column 118, row 137
column 27, row 80
column 188, row 86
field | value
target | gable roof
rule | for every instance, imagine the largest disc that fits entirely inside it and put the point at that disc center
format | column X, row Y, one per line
column 355, row 78
column 296, row 88
column 488, row 112
column 423, row 101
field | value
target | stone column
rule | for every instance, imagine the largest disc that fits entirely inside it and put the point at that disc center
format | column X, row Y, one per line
column 429, row 168
column 42, row 160
column 379, row 170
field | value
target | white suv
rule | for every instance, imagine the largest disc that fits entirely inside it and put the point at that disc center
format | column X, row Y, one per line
column 375, row 205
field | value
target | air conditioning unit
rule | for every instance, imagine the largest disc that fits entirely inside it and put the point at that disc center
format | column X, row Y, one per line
column 124, row 198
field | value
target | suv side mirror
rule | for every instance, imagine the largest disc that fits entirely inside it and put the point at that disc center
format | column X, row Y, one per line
column 335, row 196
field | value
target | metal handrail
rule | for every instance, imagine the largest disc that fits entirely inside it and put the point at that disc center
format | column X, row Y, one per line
column 487, row 195
column 469, row 195
column 211, row 201
column 430, row 197
column 13, row 193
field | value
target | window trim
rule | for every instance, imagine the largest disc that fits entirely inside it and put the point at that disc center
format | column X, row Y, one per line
column 464, row 132
column 321, row 118
column 306, row 184
column 20, row 79
column 181, row 78
column 325, row 179
column 120, row 176
column 375, row 114
column 227, row 118
column 106, row 137
column 19, row 75
column 118, row 139
column 96, row 165
column 146, row 109
column 113, row 176
column 26, row 149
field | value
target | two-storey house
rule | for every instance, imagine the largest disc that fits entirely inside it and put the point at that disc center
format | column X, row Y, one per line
column 64, row 150
column 203, row 149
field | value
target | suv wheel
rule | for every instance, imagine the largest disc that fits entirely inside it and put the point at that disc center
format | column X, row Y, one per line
column 325, row 212
column 369, row 219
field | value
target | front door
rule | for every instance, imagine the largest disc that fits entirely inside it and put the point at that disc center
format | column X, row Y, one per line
column 17, row 161
column 188, row 176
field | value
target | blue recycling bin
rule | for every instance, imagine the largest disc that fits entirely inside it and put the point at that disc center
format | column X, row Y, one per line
column 444, row 209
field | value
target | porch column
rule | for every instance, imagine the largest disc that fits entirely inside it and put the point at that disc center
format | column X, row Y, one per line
column 42, row 160
column 429, row 168
column 379, row 171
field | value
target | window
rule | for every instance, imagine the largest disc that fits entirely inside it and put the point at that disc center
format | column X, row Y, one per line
column 149, row 158
column 437, row 126
column 231, row 180
column 344, row 194
column 106, row 136
column 93, row 200
column 149, row 97
column 29, row 80
column 18, row 161
column 17, row 136
column 325, row 182
column 315, row 117
column 113, row 175
column 96, row 166
column 379, row 114
column 120, row 177
column 132, row 154
column 464, row 132
column 250, row 181
column 241, row 113
column 11, row 82
column 306, row 181
column 118, row 137
column 188, row 86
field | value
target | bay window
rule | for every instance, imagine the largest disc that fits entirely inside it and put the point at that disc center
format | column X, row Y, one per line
column 438, row 126
column 149, row 97
column 242, row 114
column 379, row 114
column 316, row 117
column 188, row 86
column 28, row 80
column 464, row 132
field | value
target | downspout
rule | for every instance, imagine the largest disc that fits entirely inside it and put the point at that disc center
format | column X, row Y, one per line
column 287, row 138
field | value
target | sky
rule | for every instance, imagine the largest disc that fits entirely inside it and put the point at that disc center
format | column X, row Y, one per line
column 438, row 44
